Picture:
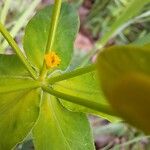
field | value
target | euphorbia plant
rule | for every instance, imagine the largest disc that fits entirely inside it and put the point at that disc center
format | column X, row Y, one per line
column 37, row 96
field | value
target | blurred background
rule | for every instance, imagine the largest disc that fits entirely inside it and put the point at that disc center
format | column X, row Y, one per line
column 96, row 17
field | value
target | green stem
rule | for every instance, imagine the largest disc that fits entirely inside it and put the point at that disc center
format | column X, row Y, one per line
column 21, row 21
column 72, row 74
column 15, row 47
column 80, row 101
column 52, row 33
column 53, row 26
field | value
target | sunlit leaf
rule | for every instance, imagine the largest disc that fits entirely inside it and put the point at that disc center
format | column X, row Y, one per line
column 11, row 65
column 58, row 128
column 18, row 113
column 19, row 102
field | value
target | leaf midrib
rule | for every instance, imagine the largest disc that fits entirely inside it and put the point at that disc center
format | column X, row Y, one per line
column 14, row 102
column 11, row 87
column 57, row 122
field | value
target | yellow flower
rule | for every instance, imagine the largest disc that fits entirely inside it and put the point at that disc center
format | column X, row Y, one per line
column 52, row 60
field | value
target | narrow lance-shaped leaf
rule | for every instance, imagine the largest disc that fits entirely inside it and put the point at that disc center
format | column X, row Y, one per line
column 133, row 8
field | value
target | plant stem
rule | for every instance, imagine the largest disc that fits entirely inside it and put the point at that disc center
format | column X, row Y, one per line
column 53, row 26
column 52, row 33
column 22, row 21
column 72, row 74
column 15, row 47
column 80, row 101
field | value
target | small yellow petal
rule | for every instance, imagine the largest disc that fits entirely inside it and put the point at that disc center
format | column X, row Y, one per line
column 52, row 60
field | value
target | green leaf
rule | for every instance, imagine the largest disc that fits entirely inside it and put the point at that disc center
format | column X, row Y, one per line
column 19, row 102
column 13, row 75
column 85, row 86
column 18, row 113
column 11, row 84
column 36, row 35
column 58, row 128
column 11, row 65
column 125, row 78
